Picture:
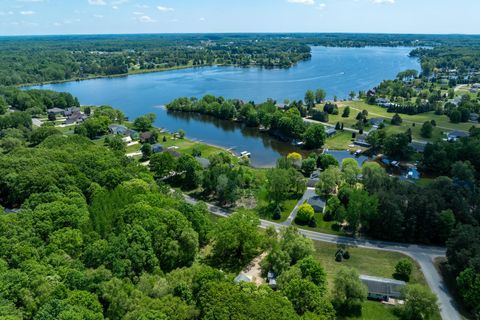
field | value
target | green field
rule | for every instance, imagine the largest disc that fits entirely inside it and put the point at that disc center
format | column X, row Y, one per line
column 329, row 227
column 443, row 123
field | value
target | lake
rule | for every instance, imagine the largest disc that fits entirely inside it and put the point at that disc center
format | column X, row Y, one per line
column 337, row 70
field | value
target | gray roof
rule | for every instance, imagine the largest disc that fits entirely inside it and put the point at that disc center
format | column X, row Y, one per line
column 330, row 131
column 55, row 110
column 382, row 286
column 205, row 163
column 156, row 148
column 457, row 134
column 118, row 129
column 242, row 277
column 316, row 202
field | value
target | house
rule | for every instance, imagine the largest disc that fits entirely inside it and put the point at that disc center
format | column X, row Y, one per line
column 361, row 141
column 242, row 277
column 127, row 139
column 70, row 111
column 76, row 117
column 382, row 288
column 56, row 111
column 317, row 203
column 119, row 129
column 157, row 148
column 330, row 131
column 476, row 86
column 281, row 105
column 376, row 122
column 205, row 163
column 146, row 136
column 455, row 135
column 174, row 153
column 382, row 102
column 418, row 146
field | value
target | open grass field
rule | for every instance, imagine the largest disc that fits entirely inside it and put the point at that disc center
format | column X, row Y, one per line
column 340, row 141
column 329, row 227
column 443, row 123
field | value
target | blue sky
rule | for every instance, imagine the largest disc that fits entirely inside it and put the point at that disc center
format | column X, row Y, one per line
column 25, row 17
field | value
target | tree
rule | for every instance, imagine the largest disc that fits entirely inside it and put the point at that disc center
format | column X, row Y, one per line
column 426, row 130
column 326, row 160
column 455, row 116
column 314, row 272
column 277, row 185
column 189, row 171
column 162, row 164
column 305, row 214
column 396, row 120
column 362, row 208
column 403, row 269
column 115, row 143
column 348, row 291
column 146, row 150
column 468, row 283
column 314, row 136
column 396, row 146
column 295, row 244
column 320, row 95
column 144, row 123
column 329, row 181
column 181, row 133
column 310, row 99
column 420, row 303
column 346, row 112
column 236, row 240
column 308, row 166
column 352, row 95
column 306, row 296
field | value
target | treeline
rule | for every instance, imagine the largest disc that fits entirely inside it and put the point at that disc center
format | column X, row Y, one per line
column 58, row 58
column 35, row 101
column 286, row 124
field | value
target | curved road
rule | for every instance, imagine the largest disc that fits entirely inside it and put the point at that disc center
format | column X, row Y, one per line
column 423, row 255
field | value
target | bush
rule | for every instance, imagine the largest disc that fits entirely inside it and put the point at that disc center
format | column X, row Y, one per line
column 339, row 257
column 305, row 214
column 403, row 270
column 346, row 255
column 277, row 213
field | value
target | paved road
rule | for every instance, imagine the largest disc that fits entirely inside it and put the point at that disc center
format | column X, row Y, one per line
column 310, row 192
column 423, row 255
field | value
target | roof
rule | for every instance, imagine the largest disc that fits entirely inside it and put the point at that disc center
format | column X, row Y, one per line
column 146, row 135
column 316, row 201
column 242, row 277
column 376, row 121
column 205, row 163
column 55, row 110
column 157, row 148
column 382, row 286
column 418, row 146
column 457, row 134
column 330, row 130
column 118, row 129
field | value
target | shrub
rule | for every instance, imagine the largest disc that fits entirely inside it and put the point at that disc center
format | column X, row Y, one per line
column 305, row 214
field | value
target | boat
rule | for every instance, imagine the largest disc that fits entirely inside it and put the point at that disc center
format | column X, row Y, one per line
column 245, row 154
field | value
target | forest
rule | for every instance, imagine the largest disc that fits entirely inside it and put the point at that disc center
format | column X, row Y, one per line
column 40, row 59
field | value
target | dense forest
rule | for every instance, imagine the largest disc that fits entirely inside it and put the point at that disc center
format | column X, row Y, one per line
column 25, row 60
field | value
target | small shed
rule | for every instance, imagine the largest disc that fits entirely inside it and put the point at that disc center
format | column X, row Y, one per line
column 330, row 131
column 242, row 277
column 382, row 288
column 361, row 141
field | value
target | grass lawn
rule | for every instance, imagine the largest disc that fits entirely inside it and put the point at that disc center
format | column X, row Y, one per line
column 329, row 227
column 443, row 122
column 366, row 261
column 340, row 141
column 374, row 310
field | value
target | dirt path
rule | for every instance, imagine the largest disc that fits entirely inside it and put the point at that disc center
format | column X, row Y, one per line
column 254, row 271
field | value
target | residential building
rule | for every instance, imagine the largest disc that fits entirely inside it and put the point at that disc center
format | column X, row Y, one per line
column 383, row 288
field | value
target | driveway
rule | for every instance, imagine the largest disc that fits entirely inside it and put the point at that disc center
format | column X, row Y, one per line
column 424, row 255
column 310, row 192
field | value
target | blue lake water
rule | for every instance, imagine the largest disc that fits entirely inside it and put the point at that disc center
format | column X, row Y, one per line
column 337, row 70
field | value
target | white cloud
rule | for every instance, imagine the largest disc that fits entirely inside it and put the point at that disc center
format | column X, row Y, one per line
column 321, row 6
column 164, row 9
column 202, row 19
column 98, row 16
column 146, row 19
column 305, row 2
column 383, row 1
column 138, row 13
column 97, row 2
column 115, row 7
column 27, row 13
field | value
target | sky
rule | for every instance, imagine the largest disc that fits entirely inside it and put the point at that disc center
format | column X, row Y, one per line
column 34, row 17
